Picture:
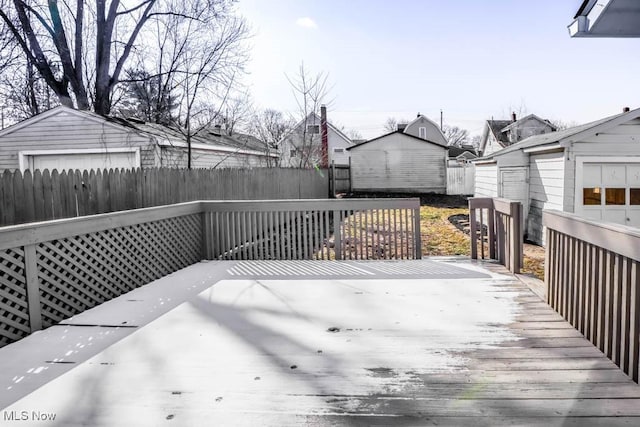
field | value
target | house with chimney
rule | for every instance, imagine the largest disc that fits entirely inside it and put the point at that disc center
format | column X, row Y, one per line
column 314, row 141
column 591, row 170
column 499, row 134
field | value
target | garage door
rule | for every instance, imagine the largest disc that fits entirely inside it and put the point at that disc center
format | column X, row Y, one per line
column 83, row 161
column 611, row 193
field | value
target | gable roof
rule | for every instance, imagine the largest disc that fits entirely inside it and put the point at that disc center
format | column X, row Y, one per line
column 316, row 118
column 457, row 151
column 422, row 117
column 164, row 135
column 563, row 138
column 525, row 118
column 408, row 135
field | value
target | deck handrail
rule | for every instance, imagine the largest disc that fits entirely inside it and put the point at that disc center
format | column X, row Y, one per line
column 53, row 270
column 592, row 273
column 497, row 224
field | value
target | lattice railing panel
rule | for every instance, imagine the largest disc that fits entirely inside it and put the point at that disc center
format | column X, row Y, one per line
column 14, row 313
column 80, row 272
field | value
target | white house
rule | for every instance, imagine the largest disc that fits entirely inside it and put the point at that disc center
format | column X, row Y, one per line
column 499, row 134
column 424, row 128
column 302, row 145
column 65, row 138
column 606, row 18
column 592, row 170
column 399, row 162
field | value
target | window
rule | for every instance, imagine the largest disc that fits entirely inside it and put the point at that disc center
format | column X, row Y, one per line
column 313, row 129
column 634, row 196
column 615, row 196
column 422, row 132
column 591, row 196
column 338, row 150
column 293, row 152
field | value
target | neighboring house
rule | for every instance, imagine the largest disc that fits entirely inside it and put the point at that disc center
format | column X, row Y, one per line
column 592, row 170
column 64, row 138
column 302, row 145
column 424, row 128
column 399, row 162
column 460, row 156
column 606, row 18
column 498, row 134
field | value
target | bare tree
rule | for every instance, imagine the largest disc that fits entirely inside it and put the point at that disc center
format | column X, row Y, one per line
column 561, row 124
column 456, row 136
column 81, row 48
column 310, row 92
column 270, row 126
column 391, row 124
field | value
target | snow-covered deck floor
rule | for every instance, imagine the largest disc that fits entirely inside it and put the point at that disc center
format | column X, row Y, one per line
column 431, row 342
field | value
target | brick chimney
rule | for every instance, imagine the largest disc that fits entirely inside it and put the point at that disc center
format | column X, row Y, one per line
column 324, row 133
column 626, row 109
column 513, row 117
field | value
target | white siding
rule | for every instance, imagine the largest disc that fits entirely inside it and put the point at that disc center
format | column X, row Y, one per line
column 492, row 145
column 173, row 157
column 401, row 163
column 486, row 184
column 68, row 131
column 546, row 190
column 433, row 132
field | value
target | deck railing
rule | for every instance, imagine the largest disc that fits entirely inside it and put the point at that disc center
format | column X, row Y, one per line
column 592, row 272
column 53, row 270
column 496, row 228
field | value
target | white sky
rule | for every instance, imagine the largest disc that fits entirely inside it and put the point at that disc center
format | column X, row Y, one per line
column 472, row 59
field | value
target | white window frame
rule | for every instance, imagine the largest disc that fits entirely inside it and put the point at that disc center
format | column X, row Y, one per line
column 422, row 130
column 581, row 160
column 314, row 126
column 24, row 157
column 338, row 150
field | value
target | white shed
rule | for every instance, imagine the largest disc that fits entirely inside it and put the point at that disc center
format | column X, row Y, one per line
column 399, row 162
column 592, row 170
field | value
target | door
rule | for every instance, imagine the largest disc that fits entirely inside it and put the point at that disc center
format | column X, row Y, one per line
column 514, row 185
column 611, row 193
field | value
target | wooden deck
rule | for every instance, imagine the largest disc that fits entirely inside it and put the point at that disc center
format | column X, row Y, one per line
column 431, row 342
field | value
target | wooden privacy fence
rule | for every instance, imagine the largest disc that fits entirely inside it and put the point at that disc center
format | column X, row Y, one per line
column 497, row 228
column 42, row 196
column 461, row 180
column 52, row 270
column 592, row 272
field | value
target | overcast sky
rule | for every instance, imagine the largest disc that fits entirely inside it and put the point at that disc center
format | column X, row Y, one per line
column 472, row 59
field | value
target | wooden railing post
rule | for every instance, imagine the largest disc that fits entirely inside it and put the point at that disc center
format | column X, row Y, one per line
column 417, row 243
column 337, row 238
column 473, row 230
column 33, row 287
column 515, row 237
column 207, row 235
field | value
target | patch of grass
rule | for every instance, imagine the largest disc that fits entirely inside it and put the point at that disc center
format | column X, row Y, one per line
column 439, row 236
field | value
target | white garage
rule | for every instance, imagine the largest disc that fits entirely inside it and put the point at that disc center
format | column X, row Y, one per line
column 592, row 170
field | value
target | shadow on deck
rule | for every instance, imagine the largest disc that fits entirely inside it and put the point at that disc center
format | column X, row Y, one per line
column 425, row 342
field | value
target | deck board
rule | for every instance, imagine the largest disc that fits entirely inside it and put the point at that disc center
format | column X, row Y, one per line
column 481, row 349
